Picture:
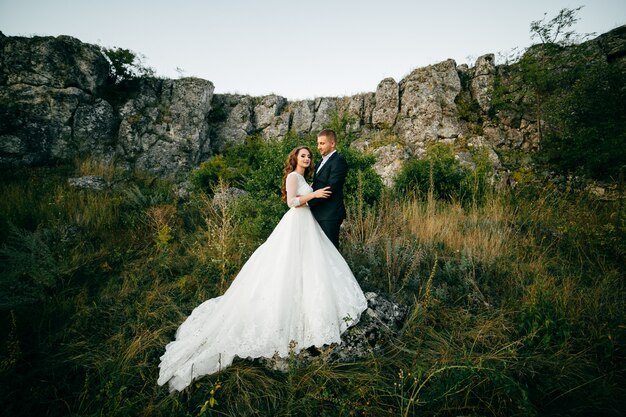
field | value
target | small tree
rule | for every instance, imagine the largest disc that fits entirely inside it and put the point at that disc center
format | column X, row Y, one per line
column 547, row 67
column 578, row 99
column 126, row 64
column 557, row 30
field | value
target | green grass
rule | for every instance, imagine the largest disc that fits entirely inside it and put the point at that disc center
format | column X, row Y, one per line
column 517, row 304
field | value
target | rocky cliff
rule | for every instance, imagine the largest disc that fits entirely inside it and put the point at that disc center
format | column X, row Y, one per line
column 56, row 104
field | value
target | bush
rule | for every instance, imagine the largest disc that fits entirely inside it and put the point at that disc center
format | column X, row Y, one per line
column 28, row 268
column 208, row 175
column 586, row 124
column 447, row 174
column 257, row 167
column 126, row 64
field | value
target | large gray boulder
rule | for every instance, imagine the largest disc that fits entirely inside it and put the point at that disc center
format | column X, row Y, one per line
column 36, row 123
column 381, row 321
column 351, row 107
column 164, row 130
column 270, row 118
column 46, row 83
column 389, row 152
column 95, row 129
column 279, row 126
column 324, row 109
column 369, row 102
column 428, row 112
column 56, row 62
column 268, row 108
column 483, row 79
column 387, row 104
column 613, row 45
column 303, row 115
column 230, row 120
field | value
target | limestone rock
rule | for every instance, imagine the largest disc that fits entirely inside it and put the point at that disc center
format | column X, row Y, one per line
column 324, row 108
column 303, row 115
column 613, row 44
column 95, row 129
column 390, row 155
column 381, row 320
column 228, row 196
column 352, row 109
column 164, row 130
column 183, row 190
column 36, row 123
column 387, row 103
column 231, row 120
column 369, row 102
column 389, row 160
column 428, row 111
column 482, row 82
column 57, row 62
column 480, row 144
column 279, row 127
column 269, row 107
column 89, row 182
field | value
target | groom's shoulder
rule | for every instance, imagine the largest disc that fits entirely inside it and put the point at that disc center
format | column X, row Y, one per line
column 341, row 159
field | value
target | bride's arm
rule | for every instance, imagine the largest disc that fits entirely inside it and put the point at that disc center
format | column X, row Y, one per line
column 294, row 200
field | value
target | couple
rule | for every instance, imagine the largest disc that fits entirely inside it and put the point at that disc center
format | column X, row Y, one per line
column 296, row 287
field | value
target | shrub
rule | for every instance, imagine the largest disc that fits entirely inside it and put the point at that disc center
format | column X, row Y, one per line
column 257, row 167
column 211, row 172
column 29, row 269
column 126, row 64
column 447, row 174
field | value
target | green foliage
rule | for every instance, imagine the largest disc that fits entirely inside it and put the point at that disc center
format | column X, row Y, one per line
column 208, row 175
column 447, row 174
column 586, row 124
column 362, row 181
column 476, row 185
column 257, row 167
column 574, row 98
column 28, row 268
column 516, row 303
column 126, row 65
column 556, row 30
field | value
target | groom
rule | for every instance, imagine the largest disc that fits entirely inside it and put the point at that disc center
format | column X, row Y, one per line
column 330, row 171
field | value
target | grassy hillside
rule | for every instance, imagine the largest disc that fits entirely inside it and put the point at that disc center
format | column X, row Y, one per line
column 517, row 299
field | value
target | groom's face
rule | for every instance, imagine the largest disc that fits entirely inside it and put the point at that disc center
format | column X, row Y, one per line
column 325, row 145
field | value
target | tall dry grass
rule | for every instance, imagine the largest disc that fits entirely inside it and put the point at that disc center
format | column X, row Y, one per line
column 516, row 307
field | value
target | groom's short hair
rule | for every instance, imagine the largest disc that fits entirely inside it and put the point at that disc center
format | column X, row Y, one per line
column 329, row 133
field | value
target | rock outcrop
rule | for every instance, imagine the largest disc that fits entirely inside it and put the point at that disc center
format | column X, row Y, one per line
column 483, row 79
column 165, row 129
column 56, row 104
column 47, row 86
column 387, row 105
column 428, row 112
column 382, row 321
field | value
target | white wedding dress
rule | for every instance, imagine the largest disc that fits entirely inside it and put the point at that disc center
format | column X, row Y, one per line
column 295, row 287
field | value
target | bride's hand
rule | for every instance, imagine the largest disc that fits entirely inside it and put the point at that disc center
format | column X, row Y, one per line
column 322, row 192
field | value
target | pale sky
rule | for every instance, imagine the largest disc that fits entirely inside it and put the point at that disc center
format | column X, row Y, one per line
column 299, row 49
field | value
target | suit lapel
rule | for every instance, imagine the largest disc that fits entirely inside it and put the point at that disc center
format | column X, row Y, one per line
column 326, row 164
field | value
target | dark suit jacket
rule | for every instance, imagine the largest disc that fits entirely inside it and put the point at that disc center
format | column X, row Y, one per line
column 332, row 174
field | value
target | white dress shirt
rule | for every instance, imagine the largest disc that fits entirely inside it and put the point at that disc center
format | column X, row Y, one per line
column 324, row 159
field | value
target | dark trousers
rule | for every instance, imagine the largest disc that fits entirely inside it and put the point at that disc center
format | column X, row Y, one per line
column 331, row 229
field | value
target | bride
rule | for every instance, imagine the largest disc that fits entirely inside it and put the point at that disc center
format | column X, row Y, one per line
column 296, row 287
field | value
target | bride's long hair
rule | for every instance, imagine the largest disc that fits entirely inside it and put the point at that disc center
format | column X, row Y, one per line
column 290, row 166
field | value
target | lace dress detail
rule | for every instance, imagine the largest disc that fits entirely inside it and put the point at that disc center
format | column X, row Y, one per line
column 295, row 287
